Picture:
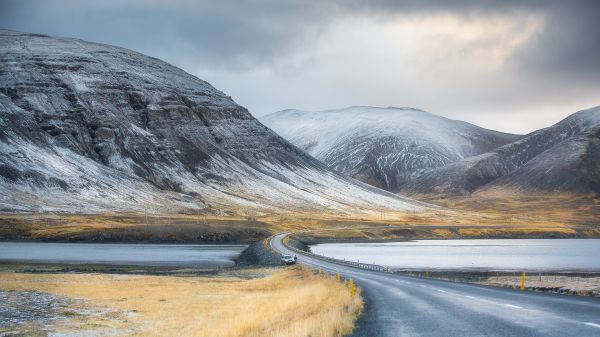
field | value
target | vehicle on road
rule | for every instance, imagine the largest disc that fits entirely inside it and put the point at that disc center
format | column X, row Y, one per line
column 401, row 303
column 287, row 260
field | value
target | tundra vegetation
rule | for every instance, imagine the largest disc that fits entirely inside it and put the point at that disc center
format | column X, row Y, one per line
column 253, row 302
column 486, row 215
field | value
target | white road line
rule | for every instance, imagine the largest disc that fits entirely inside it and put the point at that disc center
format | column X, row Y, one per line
column 442, row 291
column 492, row 302
column 592, row 324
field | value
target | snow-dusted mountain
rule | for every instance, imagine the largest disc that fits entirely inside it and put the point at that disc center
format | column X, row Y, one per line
column 384, row 147
column 92, row 127
column 563, row 157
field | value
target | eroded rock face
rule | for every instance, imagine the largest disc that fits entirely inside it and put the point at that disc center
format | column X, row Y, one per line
column 92, row 126
column 560, row 158
column 384, row 147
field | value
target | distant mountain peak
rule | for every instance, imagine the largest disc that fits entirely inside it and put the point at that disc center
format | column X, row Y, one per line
column 93, row 127
column 564, row 157
column 383, row 146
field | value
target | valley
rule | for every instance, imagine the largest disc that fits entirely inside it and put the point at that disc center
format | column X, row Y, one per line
column 384, row 147
column 137, row 199
column 481, row 216
column 129, row 148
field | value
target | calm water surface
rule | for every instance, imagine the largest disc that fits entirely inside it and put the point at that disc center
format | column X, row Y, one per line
column 501, row 254
column 121, row 254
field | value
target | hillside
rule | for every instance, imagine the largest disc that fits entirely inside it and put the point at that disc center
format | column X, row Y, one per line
column 562, row 158
column 384, row 147
column 87, row 127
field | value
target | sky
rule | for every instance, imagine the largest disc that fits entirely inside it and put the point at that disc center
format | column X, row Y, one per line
column 513, row 66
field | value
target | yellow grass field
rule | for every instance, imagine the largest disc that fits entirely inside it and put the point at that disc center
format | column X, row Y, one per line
column 266, row 302
column 490, row 214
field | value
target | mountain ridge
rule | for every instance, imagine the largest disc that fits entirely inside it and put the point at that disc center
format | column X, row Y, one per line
column 93, row 127
column 549, row 156
column 384, row 147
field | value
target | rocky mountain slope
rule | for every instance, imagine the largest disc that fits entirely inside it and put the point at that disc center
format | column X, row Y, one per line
column 562, row 158
column 384, row 147
column 92, row 127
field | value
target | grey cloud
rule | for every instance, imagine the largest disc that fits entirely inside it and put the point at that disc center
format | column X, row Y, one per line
column 219, row 33
column 227, row 40
column 243, row 34
column 569, row 45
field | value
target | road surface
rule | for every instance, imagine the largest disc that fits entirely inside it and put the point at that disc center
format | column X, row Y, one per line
column 399, row 305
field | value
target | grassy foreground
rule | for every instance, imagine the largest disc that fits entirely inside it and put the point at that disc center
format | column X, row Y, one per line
column 264, row 302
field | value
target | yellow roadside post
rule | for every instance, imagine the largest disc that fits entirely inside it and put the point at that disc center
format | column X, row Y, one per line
column 426, row 274
column 352, row 288
column 338, row 277
column 523, row 281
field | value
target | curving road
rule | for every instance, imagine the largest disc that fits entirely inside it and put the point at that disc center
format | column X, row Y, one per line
column 404, row 306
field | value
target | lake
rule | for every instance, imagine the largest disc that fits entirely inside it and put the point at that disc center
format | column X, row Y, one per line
column 500, row 254
column 121, row 254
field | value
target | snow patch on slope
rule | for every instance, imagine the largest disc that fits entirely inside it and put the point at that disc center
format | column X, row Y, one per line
column 91, row 127
column 383, row 146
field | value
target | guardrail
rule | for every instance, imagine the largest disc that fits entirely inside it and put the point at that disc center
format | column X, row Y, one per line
column 359, row 265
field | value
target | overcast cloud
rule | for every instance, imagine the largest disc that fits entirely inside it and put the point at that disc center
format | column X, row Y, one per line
column 513, row 66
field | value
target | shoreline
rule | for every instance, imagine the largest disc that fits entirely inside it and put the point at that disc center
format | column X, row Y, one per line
column 328, row 241
column 579, row 283
column 307, row 241
column 562, row 281
column 134, row 242
column 311, row 241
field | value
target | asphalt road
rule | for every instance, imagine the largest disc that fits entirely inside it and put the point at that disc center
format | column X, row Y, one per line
column 405, row 306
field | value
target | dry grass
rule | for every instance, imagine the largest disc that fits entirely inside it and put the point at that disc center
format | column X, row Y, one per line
column 130, row 227
column 587, row 286
column 290, row 302
column 490, row 214
column 537, row 209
